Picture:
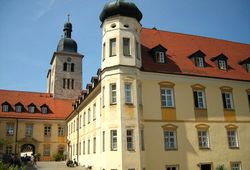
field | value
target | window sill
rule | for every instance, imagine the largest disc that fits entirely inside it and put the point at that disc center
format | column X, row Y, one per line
column 131, row 150
column 198, row 108
column 173, row 149
column 127, row 55
column 234, row 147
column 112, row 55
column 111, row 104
column 226, row 109
column 130, row 104
column 165, row 107
column 204, row 148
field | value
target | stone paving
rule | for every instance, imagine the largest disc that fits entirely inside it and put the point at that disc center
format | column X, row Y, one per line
column 54, row 166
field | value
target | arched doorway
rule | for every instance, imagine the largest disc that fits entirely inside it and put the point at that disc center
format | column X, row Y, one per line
column 27, row 150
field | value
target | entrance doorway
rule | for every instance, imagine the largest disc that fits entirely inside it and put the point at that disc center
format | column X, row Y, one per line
column 205, row 166
column 27, row 150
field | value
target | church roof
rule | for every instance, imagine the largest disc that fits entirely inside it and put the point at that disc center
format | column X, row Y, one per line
column 179, row 48
column 57, row 108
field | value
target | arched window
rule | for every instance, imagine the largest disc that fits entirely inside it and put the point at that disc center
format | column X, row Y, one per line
column 64, row 66
column 72, row 67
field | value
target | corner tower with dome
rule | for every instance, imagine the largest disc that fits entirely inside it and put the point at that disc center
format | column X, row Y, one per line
column 65, row 75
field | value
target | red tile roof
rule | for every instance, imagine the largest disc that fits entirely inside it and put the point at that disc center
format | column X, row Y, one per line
column 58, row 108
column 181, row 46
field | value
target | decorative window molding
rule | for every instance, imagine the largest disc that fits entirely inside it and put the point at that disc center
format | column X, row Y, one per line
column 170, row 126
column 170, row 136
column 203, row 136
column 202, row 126
column 198, row 58
column 166, row 84
column 232, row 136
column 167, row 97
column 221, row 61
column 113, row 140
column 130, row 140
column 235, row 165
column 198, row 87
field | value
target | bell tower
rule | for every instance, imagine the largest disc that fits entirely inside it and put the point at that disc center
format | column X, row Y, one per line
column 64, row 78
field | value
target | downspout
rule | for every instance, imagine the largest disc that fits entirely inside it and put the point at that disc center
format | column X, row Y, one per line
column 16, row 136
column 77, row 139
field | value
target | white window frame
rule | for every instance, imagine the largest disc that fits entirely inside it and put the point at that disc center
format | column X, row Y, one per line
column 228, row 100
column 5, row 108
column 232, row 137
column 18, row 108
column 160, row 57
column 31, row 109
column 248, row 67
column 44, row 109
column 170, row 139
column 61, row 131
column 113, row 140
column 203, row 138
column 47, row 130
column 113, row 93
column 10, row 129
column 222, row 64
column 200, row 99
column 128, row 93
column 169, row 97
column 200, row 62
column 130, row 140
column 235, row 165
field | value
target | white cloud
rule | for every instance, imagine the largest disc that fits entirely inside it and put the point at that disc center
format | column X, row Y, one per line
column 42, row 7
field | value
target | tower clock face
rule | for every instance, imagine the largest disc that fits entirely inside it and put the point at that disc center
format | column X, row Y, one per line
column 69, row 59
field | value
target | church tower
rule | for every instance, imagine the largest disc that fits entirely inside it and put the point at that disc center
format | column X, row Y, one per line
column 65, row 76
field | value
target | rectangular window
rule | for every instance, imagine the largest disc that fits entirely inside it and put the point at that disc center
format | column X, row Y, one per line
column 112, row 47
column 248, row 96
column 235, row 166
column 199, row 99
column 103, row 96
column 83, row 147
column 227, row 100
column 64, row 83
column 203, row 139
column 72, row 84
column 199, row 61
column 248, row 67
column 232, row 138
column 5, row 108
column 170, row 139
column 222, row 64
column 130, row 139
column 60, row 131
column 113, row 136
column 10, row 129
column 18, row 108
column 137, row 50
column 128, row 93
column 68, row 83
column 29, row 130
column 84, row 118
column 142, row 140
column 80, row 122
column 94, row 112
column 47, row 130
column 89, row 115
column 160, row 57
column 94, row 145
column 172, row 167
column 126, row 46
column 113, row 93
column 103, row 51
column 88, row 146
column 46, row 150
column 8, row 150
column 103, row 141
column 167, row 99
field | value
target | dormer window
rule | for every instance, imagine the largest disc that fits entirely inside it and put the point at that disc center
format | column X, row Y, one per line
column 222, row 64
column 158, row 52
column 5, row 107
column 246, row 64
column 160, row 58
column 19, row 107
column 221, row 61
column 31, row 108
column 44, row 109
column 198, row 58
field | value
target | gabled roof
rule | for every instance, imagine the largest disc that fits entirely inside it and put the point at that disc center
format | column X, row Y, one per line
column 181, row 46
column 60, row 108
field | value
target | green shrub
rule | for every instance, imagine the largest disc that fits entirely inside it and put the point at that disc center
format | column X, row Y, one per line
column 220, row 167
column 58, row 157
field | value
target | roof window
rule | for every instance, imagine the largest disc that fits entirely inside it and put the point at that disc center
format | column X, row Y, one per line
column 44, row 109
column 246, row 64
column 221, row 61
column 31, row 108
column 18, row 107
column 5, row 107
column 159, row 54
column 198, row 59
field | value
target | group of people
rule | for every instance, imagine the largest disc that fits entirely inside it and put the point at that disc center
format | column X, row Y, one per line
column 17, row 161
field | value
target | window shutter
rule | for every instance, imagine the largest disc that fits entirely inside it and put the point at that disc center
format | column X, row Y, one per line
column 224, row 100
column 195, row 99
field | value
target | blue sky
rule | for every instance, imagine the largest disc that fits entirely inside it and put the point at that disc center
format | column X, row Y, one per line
column 30, row 31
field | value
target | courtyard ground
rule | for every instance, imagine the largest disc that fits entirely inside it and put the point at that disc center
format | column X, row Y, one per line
column 53, row 166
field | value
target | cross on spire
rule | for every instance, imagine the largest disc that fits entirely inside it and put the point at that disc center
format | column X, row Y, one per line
column 68, row 17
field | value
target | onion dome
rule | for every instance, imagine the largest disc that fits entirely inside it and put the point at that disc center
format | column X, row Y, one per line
column 120, row 7
column 67, row 44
